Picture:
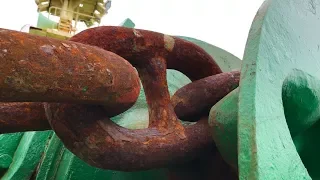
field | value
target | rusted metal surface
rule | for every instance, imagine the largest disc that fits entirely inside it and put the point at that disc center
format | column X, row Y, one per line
column 18, row 117
column 83, row 86
column 196, row 99
column 152, row 53
column 142, row 48
column 37, row 69
column 87, row 132
column 102, row 143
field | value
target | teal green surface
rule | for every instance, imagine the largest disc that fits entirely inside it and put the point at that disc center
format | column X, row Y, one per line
column 283, row 37
column 128, row 23
column 45, row 23
column 223, row 120
column 300, row 95
column 308, row 148
column 8, row 145
column 27, row 155
column 301, row 101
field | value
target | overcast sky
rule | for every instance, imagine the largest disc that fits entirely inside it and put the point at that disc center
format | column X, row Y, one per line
column 224, row 23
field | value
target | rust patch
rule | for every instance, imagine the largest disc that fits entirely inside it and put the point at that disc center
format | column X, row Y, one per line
column 84, row 85
column 166, row 141
column 195, row 99
column 20, row 117
column 185, row 56
column 44, row 70
column 116, row 148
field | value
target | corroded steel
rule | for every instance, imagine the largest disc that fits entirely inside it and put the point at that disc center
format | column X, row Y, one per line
column 18, row 117
column 87, row 85
column 102, row 143
column 144, row 49
column 37, row 69
column 152, row 53
column 88, row 133
column 196, row 98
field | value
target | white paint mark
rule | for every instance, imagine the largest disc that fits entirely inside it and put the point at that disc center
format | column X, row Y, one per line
column 168, row 42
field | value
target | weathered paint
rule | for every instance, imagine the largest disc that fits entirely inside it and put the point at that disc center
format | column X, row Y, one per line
column 27, row 156
column 283, row 37
column 223, row 120
column 8, row 145
column 300, row 96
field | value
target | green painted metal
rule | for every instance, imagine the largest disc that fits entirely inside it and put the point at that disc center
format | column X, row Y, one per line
column 223, row 120
column 27, row 156
column 45, row 23
column 282, row 38
column 276, row 110
column 8, row 145
column 87, row 9
column 128, row 23
column 301, row 98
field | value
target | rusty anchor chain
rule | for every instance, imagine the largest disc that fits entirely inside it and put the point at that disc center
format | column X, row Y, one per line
column 90, row 78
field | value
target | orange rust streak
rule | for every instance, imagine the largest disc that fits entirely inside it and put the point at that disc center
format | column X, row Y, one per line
column 43, row 69
column 196, row 99
column 151, row 53
column 98, row 141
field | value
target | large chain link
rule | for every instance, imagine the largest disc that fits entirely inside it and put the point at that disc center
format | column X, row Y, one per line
column 83, row 86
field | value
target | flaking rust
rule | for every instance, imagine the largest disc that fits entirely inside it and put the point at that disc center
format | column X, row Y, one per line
column 88, row 133
column 140, row 47
column 39, row 69
column 152, row 53
column 83, row 86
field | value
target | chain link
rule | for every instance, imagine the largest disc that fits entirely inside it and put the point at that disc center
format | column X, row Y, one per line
column 77, row 85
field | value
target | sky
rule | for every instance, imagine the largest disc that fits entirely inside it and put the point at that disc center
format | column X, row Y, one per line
column 223, row 23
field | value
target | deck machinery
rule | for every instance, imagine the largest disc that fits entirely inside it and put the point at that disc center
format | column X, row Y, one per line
column 71, row 16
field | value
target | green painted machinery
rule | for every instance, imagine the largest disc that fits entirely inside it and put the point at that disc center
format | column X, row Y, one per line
column 69, row 14
column 265, row 129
